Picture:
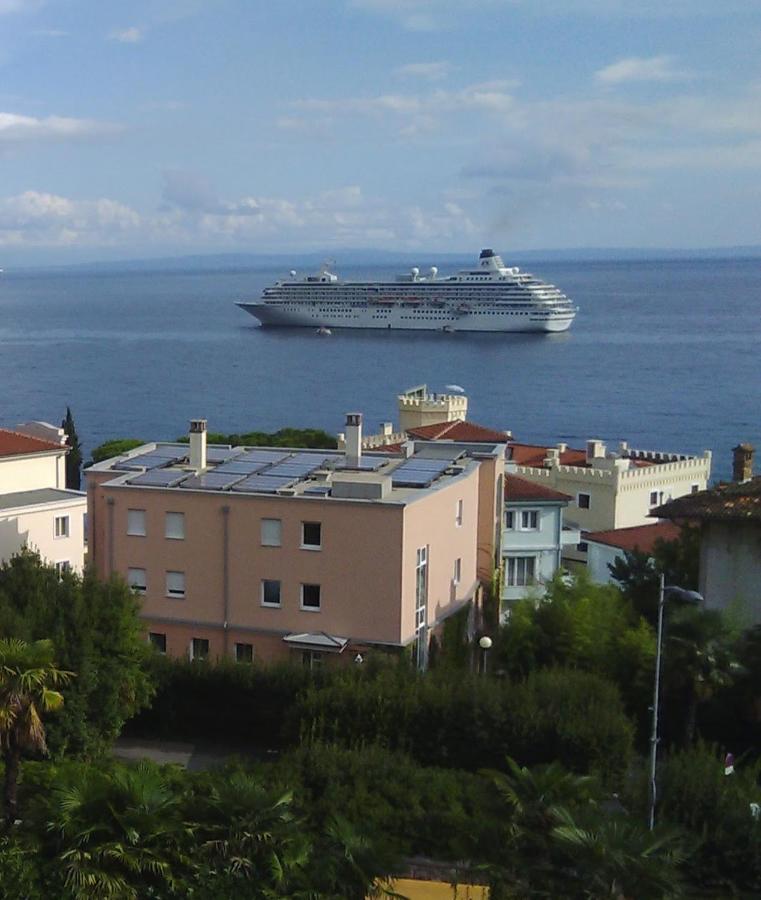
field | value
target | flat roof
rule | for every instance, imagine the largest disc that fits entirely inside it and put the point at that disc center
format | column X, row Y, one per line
column 20, row 499
column 304, row 473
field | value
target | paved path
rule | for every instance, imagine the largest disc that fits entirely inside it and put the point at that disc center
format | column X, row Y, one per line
column 194, row 757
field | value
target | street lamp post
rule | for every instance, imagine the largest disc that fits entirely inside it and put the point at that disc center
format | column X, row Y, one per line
column 664, row 593
column 485, row 644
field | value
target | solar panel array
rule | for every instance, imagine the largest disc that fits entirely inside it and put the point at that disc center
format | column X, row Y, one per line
column 418, row 472
column 212, row 481
column 261, row 484
column 159, row 478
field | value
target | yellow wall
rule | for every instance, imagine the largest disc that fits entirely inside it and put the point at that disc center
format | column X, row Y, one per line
column 438, row 890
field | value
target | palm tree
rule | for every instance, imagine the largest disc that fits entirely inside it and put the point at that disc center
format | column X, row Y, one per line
column 614, row 857
column 28, row 678
column 118, row 832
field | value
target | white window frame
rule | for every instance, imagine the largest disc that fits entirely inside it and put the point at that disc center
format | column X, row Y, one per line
column 527, row 515
column 518, row 574
column 133, row 517
column 315, row 609
column 175, row 593
column 269, row 540
column 172, row 519
column 510, row 520
column 279, row 603
column 63, row 565
column 457, row 576
column 458, row 514
column 589, row 500
column 62, row 527
column 140, row 588
column 304, row 545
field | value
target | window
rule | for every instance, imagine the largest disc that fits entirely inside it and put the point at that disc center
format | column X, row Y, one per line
column 584, row 501
column 458, row 514
column 311, row 535
column 63, row 566
column 529, row 520
column 174, row 526
column 270, row 592
column 311, row 659
column 421, row 608
column 244, row 653
column 694, row 488
column 521, row 571
column 310, row 597
column 271, row 532
column 136, row 522
column 136, row 580
column 199, row 649
column 582, row 546
column 84, row 527
column 175, row 584
column 61, row 526
column 157, row 641
column 457, row 571
column 509, row 520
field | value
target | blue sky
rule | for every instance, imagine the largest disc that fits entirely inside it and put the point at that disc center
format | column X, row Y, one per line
column 210, row 126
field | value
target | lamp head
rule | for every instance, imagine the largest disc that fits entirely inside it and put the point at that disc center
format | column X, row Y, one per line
column 485, row 642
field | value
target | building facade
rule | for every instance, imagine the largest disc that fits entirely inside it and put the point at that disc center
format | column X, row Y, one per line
column 260, row 553
column 605, row 547
column 533, row 536
column 36, row 509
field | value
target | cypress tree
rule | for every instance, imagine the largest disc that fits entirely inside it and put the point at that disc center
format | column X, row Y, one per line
column 74, row 456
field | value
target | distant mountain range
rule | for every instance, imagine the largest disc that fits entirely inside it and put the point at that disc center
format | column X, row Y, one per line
column 352, row 257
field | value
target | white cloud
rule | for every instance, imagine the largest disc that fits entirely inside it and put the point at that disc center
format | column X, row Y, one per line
column 641, row 68
column 15, row 129
column 427, row 71
column 131, row 35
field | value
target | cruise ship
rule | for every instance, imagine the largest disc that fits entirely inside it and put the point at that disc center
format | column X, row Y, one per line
column 490, row 296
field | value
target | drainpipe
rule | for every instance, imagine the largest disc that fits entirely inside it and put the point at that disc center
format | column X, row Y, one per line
column 225, row 574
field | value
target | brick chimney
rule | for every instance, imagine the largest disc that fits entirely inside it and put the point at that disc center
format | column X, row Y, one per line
column 742, row 462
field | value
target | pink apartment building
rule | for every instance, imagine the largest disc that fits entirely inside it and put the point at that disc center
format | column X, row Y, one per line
column 263, row 553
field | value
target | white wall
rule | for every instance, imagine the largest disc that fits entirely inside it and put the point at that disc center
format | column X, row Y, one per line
column 34, row 527
column 31, row 472
column 598, row 557
column 730, row 567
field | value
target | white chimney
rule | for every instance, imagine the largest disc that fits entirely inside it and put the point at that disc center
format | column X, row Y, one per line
column 353, row 439
column 595, row 450
column 198, row 444
column 387, row 429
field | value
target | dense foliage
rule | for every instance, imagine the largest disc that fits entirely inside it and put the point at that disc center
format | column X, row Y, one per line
column 95, row 632
column 114, row 447
column 314, row 438
column 74, row 456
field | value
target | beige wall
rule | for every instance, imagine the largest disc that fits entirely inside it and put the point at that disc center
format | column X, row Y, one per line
column 730, row 567
column 490, row 508
column 34, row 527
column 31, row 472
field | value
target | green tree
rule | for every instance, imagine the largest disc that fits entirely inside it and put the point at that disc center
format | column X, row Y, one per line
column 96, row 633
column 74, row 456
column 28, row 681
column 114, row 447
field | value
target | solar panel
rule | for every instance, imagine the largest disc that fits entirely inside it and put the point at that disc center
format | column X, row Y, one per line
column 242, row 466
column 159, row 477
column 412, row 479
column 262, row 484
column 269, row 456
column 416, row 472
column 212, row 481
column 220, row 454
column 172, row 451
column 317, row 490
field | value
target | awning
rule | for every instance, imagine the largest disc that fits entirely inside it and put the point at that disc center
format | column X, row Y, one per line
column 317, row 640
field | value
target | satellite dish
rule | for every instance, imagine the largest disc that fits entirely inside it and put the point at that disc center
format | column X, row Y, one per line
column 434, row 271
column 293, row 273
column 415, row 271
column 458, row 389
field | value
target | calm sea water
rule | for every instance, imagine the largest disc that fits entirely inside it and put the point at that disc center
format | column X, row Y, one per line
column 664, row 354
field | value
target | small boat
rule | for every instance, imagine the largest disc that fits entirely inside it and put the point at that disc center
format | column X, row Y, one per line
column 323, row 330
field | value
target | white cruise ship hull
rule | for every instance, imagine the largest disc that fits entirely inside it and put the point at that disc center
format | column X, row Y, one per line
column 397, row 318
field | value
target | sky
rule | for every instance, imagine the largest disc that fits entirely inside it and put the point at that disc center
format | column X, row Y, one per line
column 176, row 127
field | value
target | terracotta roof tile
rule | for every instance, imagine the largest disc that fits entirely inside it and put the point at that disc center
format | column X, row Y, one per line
column 518, row 489
column 12, row 443
column 639, row 537
column 731, row 500
column 533, row 455
column 468, row 432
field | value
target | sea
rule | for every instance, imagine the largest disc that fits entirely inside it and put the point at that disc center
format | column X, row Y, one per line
column 665, row 354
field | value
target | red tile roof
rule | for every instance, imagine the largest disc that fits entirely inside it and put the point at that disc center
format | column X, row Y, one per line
column 467, row 432
column 519, row 489
column 730, row 501
column 640, row 537
column 534, row 455
column 12, row 443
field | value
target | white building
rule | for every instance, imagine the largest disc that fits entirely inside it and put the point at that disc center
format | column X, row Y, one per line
column 36, row 509
column 610, row 489
column 533, row 535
